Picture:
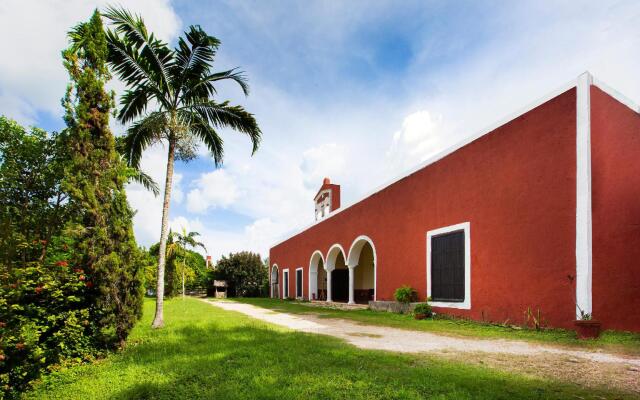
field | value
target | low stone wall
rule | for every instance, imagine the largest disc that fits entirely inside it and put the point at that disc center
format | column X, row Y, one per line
column 391, row 306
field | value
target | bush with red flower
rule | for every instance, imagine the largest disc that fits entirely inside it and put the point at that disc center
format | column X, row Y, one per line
column 41, row 309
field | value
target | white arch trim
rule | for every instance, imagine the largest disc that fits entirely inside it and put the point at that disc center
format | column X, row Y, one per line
column 313, row 261
column 354, row 256
column 332, row 256
column 313, row 273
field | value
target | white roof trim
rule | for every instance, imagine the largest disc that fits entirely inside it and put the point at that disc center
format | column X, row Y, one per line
column 616, row 95
column 569, row 85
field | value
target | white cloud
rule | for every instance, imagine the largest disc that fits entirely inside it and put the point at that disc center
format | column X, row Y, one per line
column 33, row 35
column 16, row 108
column 179, row 223
column 419, row 137
column 213, row 189
column 257, row 236
column 326, row 160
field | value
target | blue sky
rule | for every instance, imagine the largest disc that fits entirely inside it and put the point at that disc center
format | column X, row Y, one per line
column 358, row 91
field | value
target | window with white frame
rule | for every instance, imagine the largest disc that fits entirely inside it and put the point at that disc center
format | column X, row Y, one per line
column 449, row 266
column 299, row 283
column 285, row 283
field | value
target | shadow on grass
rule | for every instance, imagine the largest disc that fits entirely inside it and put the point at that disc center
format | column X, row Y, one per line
column 249, row 360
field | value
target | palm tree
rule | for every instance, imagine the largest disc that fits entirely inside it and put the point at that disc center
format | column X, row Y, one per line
column 182, row 241
column 179, row 86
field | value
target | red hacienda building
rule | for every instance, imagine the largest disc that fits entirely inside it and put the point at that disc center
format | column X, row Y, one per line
column 541, row 211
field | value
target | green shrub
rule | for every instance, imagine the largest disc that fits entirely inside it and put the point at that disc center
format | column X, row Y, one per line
column 245, row 273
column 405, row 294
column 44, row 317
column 423, row 308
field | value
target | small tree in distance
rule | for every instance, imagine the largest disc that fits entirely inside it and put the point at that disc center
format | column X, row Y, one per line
column 184, row 240
column 244, row 272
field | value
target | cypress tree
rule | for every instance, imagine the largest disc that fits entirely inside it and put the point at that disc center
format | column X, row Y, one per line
column 95, row 178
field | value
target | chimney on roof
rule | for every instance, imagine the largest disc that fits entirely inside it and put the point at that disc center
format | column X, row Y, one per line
column 327, row 199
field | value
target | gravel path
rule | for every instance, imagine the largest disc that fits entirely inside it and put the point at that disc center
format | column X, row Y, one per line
column 401, row 340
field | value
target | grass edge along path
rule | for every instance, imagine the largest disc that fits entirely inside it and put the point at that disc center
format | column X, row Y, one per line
column 625, row 343
column 206, row 352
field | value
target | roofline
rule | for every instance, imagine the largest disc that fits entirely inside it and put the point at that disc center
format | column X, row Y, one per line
column 615, row 94
column 440, row 155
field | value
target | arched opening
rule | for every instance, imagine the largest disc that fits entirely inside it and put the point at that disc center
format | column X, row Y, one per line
column 317, row 277
column 337, row 275
column 275, row 292
column 362, row 258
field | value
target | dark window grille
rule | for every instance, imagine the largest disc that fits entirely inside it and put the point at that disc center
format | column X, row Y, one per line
column 299, row 283
column 447, row 267
column 285, row 282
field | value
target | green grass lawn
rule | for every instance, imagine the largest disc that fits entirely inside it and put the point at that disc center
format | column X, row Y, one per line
column 619, row 342
column 205, row 352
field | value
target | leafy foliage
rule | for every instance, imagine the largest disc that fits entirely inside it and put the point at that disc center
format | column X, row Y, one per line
column 45, row 317
column 405, row 294
column 180, row 81
column 423, row 308
column 95, row 177
column 180, row 258
column 42, row 308
column 184, row 240
column 70, row 270
column 31, row 200
column 245, row 273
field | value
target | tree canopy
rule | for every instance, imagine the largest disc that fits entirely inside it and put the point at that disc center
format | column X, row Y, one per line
column 245, row 273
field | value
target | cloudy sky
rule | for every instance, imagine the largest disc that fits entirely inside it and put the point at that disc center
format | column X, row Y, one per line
column 356, row 90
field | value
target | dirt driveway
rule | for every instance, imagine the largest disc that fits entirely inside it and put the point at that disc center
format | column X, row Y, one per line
column 582, row 367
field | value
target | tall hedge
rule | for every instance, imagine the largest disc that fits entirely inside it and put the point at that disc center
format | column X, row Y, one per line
column 104, row 242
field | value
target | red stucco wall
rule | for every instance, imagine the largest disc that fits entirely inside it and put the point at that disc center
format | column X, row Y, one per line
column 516, row 187
column 615, row 169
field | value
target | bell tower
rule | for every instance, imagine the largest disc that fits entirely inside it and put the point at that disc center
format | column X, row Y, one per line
column 327, row 199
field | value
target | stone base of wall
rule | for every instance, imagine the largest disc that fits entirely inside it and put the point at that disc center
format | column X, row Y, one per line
column 391, row 306
column 334, row 304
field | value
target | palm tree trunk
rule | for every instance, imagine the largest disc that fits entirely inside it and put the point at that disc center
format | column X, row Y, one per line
column 158, row 320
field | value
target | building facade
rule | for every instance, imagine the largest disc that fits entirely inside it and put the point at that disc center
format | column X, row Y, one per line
column 541, row 212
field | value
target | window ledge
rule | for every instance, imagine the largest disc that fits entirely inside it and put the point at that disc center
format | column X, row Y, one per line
column 465, row 305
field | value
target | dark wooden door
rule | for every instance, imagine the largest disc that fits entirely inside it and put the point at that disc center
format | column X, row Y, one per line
column 340, row 285
column 447, row 267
